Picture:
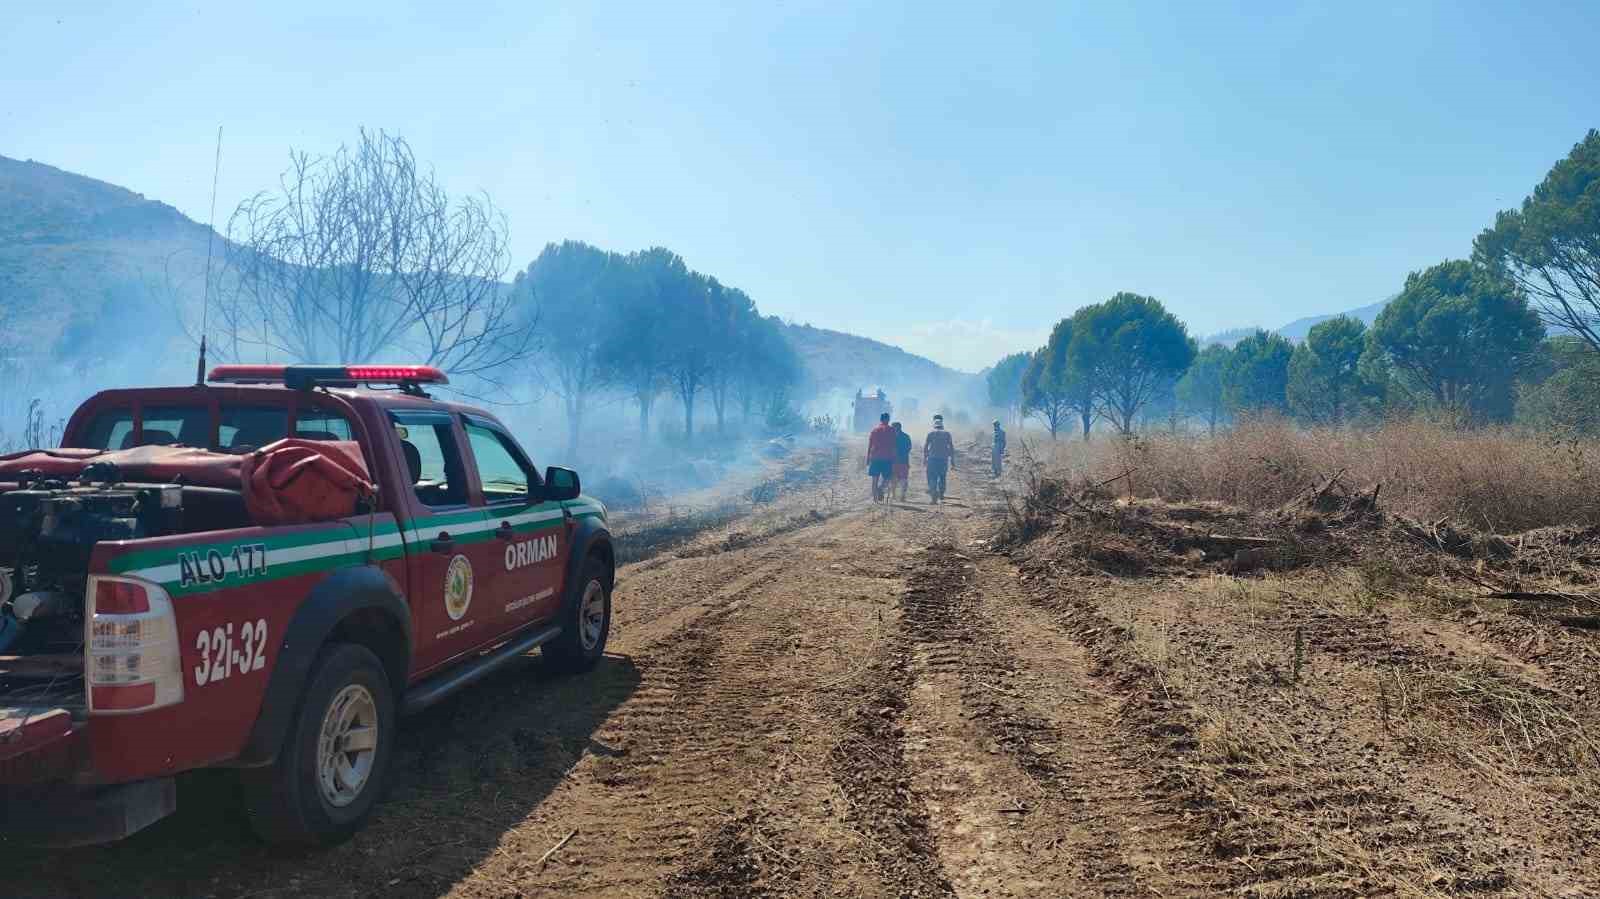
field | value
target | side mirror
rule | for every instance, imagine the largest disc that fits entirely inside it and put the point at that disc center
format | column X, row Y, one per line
column 561, row 484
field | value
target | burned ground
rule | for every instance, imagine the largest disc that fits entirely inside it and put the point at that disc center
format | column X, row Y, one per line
column 1024, row 692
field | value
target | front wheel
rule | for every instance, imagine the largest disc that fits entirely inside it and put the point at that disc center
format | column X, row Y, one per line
column 585, row 622
column 335, row 760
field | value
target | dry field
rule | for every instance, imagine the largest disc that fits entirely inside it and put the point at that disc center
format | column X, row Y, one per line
column 1317, row 686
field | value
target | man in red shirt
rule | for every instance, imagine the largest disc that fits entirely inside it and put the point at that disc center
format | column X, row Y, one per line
column 880, row 456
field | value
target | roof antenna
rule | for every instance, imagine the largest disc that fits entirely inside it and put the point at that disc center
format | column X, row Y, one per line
column 211, row 233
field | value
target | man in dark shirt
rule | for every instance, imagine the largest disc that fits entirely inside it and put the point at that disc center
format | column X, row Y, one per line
column 902, row 460
column 999, row 447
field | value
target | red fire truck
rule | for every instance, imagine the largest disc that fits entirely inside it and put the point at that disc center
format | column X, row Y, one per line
column 266, row 572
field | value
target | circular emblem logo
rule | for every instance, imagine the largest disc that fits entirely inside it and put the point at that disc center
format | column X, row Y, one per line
column 458, row 587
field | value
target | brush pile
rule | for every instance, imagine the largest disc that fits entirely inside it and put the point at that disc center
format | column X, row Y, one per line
column 1087, row 528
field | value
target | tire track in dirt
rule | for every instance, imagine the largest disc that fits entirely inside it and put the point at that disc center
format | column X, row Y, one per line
column 1282, row 830
column 1278, row 823
column 1269, row 823
column 834, row 814
column 839, row 813
column 1395, row 650
column 993, row 799
column 1427, row 790
column 1040, row 796
column 678, row 794
column 870, row 765
column 686, row 744
column 668, row 599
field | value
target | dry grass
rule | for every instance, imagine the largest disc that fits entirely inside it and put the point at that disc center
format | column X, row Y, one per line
column 1495, row 480
column 1235, row 735
column 1527, row 725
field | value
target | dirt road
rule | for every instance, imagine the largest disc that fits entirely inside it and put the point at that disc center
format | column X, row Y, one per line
column 830, row 699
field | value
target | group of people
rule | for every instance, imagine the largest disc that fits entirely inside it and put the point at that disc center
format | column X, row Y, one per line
column 889, row 458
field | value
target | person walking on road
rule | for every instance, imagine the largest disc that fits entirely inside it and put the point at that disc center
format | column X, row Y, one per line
column 938, row 454
column 880, row 457
column 999, row 447
column 902, row 460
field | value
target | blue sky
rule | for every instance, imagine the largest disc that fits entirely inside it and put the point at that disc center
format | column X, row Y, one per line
column 935, row 175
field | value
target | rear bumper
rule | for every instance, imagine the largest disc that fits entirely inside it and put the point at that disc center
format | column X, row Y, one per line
column 65, row 816
column 38, row 745
column 41, row 752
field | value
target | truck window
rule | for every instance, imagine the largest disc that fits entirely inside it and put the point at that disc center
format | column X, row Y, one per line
column 430, row 455
column 316, row 424
column 109, row 430
column 175, row 425
column 503, row 475
column 246, row 428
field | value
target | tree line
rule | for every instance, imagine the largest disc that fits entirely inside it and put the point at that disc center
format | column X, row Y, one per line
column 362, row 256
column 643, row 325
column 1464, row 339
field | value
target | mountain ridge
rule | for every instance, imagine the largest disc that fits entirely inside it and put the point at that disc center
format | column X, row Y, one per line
column 88, row 263
column 1300, row 327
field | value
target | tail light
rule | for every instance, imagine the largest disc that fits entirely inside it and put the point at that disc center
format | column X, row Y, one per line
column 132, row 662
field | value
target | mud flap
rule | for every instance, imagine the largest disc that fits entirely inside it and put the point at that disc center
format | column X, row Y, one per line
column 64, row 817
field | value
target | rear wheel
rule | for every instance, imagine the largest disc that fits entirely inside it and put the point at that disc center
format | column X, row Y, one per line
column 585, row 622
column 335, row 760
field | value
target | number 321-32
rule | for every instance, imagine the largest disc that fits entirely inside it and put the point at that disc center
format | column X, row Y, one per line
column 221, row 656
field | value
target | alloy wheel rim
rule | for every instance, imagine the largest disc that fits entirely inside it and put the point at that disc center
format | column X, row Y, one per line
column 347, row 745
column 592, row 614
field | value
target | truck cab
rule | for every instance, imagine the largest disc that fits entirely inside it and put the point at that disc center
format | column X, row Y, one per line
column 264, row 573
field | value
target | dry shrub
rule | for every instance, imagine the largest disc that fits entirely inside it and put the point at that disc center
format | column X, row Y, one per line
column 1496, row 480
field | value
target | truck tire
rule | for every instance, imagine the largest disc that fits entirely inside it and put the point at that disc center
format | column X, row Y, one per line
column 585, row 623
column 334, row 763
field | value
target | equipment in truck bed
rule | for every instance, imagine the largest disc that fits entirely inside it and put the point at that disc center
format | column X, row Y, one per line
column 55, row 505
column 291, row 481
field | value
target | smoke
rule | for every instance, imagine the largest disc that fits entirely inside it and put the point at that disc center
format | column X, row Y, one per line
column 42, row 391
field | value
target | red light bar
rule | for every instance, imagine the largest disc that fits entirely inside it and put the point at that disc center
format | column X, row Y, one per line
column 394, row 374
column 306, row 375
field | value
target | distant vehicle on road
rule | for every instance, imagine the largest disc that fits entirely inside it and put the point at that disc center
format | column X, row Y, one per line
column 868, row 407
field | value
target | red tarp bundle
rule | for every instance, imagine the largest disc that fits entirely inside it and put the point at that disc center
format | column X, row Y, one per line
column 149, row 464
column 291, row 481
column 294, row 481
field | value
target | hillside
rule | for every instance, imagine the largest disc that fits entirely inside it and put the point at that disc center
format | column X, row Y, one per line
column 836, row 361
column 1300, row 327
column 84, row 263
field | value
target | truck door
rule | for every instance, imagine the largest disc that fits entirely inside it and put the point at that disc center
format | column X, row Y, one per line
column 449, row 549
column 530, row 533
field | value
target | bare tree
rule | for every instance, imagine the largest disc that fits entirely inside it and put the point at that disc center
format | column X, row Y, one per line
column 360, row 254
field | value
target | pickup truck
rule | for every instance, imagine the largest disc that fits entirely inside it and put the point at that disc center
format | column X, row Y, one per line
column 154, row 622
